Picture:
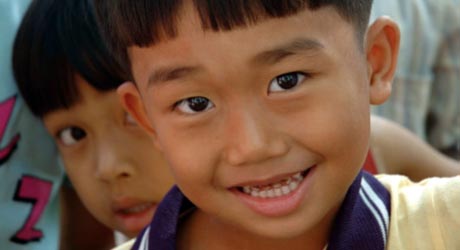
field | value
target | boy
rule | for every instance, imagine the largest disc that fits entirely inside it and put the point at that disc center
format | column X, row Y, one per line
column 68, row 79
column 262, row 110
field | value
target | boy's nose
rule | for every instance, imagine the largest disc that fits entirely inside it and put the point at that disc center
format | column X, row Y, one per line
column 112, row 163
column 252, row 139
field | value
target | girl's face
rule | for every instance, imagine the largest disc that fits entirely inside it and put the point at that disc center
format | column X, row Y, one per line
column 112, row 164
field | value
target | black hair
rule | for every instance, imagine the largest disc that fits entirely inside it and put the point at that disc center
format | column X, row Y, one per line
column 56, row 40
column 146, row 22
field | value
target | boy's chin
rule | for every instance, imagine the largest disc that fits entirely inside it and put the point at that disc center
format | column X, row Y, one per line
column 277, row 231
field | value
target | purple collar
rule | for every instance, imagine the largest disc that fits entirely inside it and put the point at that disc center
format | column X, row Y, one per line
column 361, row 224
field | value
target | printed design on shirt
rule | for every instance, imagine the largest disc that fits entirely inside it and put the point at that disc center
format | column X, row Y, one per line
column 36, row 191
column 6, row 109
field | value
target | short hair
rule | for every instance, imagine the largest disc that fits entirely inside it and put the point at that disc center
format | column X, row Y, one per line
column 56, row 40
column 146, row 22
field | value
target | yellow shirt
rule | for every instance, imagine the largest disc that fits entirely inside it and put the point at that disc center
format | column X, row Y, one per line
column 424, row 215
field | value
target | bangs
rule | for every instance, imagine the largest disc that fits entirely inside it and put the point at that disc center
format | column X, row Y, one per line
column 147, row 22
column 144, row 23
column 56, row 41
column 40, row 67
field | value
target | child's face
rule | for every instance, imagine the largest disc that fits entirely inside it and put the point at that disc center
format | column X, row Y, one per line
column 111, row 162
column 279, row 110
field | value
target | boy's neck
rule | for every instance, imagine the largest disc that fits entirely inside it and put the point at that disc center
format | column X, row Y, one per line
column 200, row 231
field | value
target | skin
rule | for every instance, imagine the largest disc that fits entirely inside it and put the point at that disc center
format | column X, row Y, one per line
column 112, row 164
column 398, row 151
column 75, row 219
column 252, row 132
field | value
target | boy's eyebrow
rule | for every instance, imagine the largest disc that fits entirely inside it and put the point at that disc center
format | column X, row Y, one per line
column 268, row 57
column 165, row 74
column 294, row 46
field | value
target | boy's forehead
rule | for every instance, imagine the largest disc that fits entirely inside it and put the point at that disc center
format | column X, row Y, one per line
column 308, row 31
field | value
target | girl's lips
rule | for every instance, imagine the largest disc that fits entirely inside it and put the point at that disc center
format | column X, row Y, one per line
column 276, row 198
column 132, row 217
column 139, row 208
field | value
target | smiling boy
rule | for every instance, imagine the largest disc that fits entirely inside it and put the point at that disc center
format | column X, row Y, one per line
column 262, row 110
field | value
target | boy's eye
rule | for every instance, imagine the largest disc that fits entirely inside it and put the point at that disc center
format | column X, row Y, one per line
column 71, row 135
column 285, row 82
column 194, row 105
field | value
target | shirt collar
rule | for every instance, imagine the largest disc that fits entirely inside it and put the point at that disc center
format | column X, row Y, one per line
column 361, row 223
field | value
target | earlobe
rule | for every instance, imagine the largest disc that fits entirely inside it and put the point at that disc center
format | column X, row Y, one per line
column 131, row 100
column 382, row 48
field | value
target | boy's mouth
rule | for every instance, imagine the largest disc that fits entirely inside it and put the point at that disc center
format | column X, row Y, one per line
column 277, row 196
column 277, row 189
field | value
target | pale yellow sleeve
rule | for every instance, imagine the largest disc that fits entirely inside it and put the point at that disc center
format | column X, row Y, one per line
column 424, row 215
column 125, row 246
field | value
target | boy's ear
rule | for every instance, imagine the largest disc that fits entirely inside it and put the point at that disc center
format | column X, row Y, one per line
column 132, row 102
column 382, row 48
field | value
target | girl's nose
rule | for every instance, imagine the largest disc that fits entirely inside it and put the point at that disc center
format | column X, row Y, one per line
column 113, row 163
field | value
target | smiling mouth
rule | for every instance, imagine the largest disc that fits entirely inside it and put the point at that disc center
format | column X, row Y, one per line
column 278, row 189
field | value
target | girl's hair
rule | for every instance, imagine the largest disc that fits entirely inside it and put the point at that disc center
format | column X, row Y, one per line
column 56, row 40
column 146, row 22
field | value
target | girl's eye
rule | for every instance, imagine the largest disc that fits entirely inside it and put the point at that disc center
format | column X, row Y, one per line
column 71, row 135
column 286, row 82
column 194, row 105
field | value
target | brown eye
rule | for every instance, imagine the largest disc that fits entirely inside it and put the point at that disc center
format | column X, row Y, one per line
column 194, row 105
column 71, row 135
column 286, row 82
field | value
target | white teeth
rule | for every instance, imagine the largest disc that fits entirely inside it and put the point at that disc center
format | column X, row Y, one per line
column 298, row 176
column 293, row 185
column 278, row 192
column 279, row 189
column 285, row 189
column 263, row 194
